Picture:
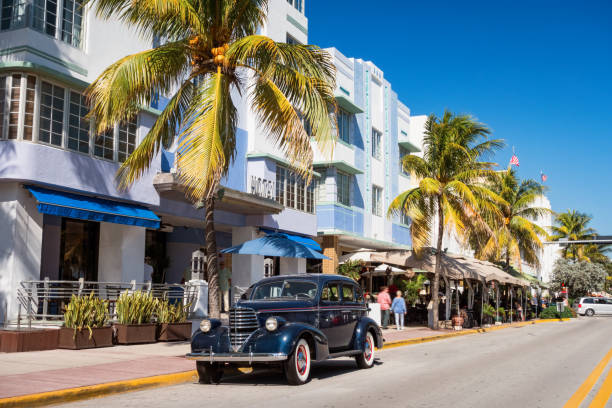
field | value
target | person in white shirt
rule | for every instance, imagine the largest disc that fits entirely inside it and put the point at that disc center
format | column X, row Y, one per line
column 148, row 270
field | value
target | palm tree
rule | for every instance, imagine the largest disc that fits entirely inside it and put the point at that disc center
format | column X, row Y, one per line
column 212, row 53
column 450, row 192
column 572, row 226
column 517, row 236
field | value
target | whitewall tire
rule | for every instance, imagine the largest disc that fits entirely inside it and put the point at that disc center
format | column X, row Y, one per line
column 366, row 359
column 297, row 366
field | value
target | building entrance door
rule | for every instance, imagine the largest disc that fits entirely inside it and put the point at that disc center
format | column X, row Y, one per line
column 79, row 249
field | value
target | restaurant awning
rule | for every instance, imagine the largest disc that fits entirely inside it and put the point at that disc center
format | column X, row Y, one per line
column 309, row 242
column 275, row 245
column 82, row 207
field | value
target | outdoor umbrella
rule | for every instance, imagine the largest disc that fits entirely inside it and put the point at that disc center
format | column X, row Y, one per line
column 275, row 245
column 361, row 255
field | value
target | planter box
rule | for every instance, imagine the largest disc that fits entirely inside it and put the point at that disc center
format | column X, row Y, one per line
column 173, row 331
column 135, row 333
column 101, row 337
column 12, row 341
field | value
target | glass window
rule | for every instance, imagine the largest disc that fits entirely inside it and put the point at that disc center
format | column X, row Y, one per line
column 288, row 288
column 403, row 152
column 291, row 190
column 330, row 293
column 404, row 218
column 348, row 295
column 104, row 145
column 297, row 4
column 79, row 249
column 281, row 174
column 13, row 14
column 78, row 129
column 310, row 197
column 291, row 40
column 301, row 194
column 2, row 104
column 588, row 300
column 44, row 18
column 127, row 139
column 343, row 188
column 28, row 119
column 13, row 128
column 51, row 121
column 358, row 294
column 72, row 19
column 343, row 125
column 376, row 144
column 377, row 201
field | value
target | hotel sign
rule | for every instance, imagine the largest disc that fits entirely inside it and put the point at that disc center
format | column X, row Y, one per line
column 262, row 187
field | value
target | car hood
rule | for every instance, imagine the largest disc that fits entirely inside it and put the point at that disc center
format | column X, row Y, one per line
column 271, row 306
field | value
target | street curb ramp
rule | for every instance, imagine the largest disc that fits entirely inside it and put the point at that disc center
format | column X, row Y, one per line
column 102, row 390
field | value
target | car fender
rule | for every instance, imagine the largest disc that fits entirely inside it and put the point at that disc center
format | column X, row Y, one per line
column 217, row 340
column 285, row 338
column 364, row 325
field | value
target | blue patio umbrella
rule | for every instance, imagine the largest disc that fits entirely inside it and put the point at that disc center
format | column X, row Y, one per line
column 275, row 245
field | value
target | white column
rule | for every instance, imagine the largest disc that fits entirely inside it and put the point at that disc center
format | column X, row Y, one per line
column 292, row 266
column 246, row 269
column 122, row 251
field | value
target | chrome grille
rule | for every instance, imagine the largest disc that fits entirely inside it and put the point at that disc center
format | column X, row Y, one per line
column 242, row 322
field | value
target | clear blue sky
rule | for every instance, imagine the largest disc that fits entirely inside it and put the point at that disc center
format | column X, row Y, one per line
column 538, row 73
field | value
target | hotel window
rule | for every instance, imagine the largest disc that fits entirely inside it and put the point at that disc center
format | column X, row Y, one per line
column 2, row 104
column 45, row 16
column 377, row 201
column 28, row 119
column 291, row 190
column 51, row 121
column 78, row 124
column 297, row 4
column 13, row 14
column 343, row 125
column 72, row 19
column 403, row 152
column 343, row 188
column 291, row 40
column 376, row 144
column 404, row 218
column 14, row 103
column 127, row 139
column 104, row 144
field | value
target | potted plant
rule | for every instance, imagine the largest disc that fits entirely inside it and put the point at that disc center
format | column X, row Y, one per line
column 501, row 316
column 86, row 324
column 134, row 318
column 489, row 312
column 27, row 339
column 172, row 324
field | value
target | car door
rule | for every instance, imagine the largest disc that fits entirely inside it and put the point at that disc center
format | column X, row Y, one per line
column 609, row 306
column 350, row 312
column 330, row 315
column 604, row 306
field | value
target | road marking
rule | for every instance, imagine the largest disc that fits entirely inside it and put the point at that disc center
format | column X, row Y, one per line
column 583, row 390
column 605, row 391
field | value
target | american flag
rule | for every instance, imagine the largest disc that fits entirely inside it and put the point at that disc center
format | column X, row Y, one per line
column 514, row 160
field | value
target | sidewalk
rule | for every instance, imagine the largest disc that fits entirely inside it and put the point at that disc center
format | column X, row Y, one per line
column 82, row 373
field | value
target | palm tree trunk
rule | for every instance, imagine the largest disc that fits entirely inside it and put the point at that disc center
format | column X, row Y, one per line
column 436, row 281
column 507, row 259
column 211, row 259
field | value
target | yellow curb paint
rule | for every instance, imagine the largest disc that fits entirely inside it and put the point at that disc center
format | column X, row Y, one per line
column 99, row 390
column 583, row 390
column 605, row 391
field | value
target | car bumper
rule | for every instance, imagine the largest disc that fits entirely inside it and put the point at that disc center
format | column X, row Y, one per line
column 236, row 357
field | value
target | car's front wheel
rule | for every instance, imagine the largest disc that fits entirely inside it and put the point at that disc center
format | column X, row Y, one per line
column 209, row 373
column 366, row 359
column 297, row 366
column 589, row 312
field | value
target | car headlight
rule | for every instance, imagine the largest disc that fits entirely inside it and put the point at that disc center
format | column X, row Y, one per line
column 271, row 323
column 205, row 325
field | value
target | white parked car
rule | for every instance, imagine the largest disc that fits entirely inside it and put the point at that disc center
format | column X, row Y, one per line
column 589, row 306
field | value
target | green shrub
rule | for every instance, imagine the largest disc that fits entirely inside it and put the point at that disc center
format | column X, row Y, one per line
column 549, row 313
column 136, row 307
column 86, row 312
column 167, row 313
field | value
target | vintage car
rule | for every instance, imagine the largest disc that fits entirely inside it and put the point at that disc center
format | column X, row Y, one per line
column 289, row 321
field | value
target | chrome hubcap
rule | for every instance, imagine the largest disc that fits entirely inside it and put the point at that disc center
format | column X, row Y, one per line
column 301, row 360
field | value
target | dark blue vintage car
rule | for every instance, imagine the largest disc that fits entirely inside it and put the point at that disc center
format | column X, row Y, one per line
column 289, row 321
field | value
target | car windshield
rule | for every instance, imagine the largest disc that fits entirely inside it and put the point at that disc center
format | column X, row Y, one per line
column 296, row 289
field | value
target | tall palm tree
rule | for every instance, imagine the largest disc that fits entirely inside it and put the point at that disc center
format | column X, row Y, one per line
column 517, row 236
column 572, row 226
column 212, row 53
column 450, row 193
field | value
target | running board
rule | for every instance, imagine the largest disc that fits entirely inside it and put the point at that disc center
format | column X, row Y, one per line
column 347, row 353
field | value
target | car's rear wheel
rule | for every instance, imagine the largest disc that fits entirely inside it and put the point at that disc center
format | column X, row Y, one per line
column 297, row 366
column 209, row 373
column 589, row 312
column 366, row 359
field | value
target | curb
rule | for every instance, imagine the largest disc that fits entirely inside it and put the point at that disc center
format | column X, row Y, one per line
column 101, row 390
column 98, row 390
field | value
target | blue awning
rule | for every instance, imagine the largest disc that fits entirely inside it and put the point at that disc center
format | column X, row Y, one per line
column 94, row 209
column 275, row 245
column 311, row 243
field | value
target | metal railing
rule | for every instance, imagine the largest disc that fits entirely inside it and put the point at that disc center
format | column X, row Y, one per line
column 42, row 302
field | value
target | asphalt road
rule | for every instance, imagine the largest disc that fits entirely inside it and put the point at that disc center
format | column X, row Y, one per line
column 534, row 366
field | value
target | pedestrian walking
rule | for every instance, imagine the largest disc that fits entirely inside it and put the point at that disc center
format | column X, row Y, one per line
column 384, row 300
column 399, row 310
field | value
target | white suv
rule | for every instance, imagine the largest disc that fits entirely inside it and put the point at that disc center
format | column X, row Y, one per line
column 590, row 306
